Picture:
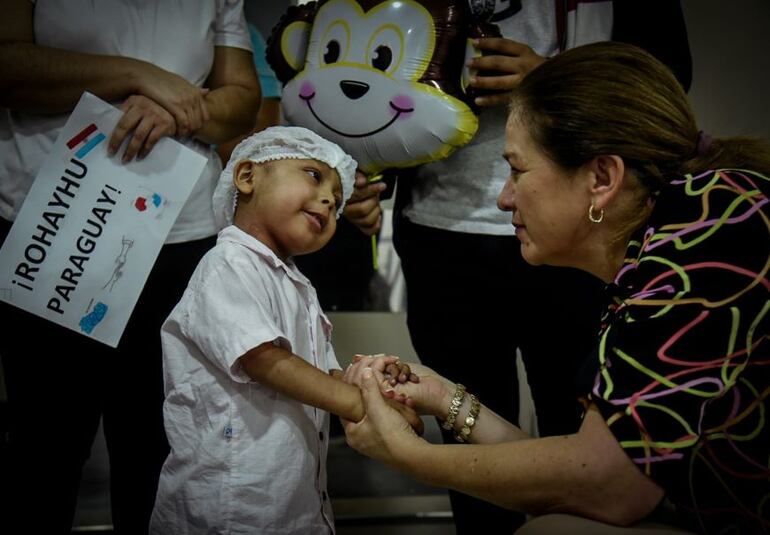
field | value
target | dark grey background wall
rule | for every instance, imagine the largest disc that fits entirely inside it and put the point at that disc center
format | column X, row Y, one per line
column 730, row 43
column 264, row 14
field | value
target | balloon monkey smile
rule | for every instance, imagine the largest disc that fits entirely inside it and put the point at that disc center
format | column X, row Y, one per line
column 309, row 97
column 381, row 78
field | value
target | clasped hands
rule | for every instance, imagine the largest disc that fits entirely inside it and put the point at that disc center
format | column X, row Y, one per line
column 389, row 386
column 391, row 391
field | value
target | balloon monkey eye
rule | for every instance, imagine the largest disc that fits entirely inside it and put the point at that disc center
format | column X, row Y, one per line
column 332, row 53
column 383, row 57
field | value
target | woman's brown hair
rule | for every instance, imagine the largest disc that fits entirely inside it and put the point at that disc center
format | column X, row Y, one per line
column 615, row 98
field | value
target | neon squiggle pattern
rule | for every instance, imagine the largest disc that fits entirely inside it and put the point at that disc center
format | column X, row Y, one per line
column 684, row 355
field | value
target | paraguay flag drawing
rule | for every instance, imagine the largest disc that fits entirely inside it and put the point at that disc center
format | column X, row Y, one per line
column 86, row 139
column 150, row 202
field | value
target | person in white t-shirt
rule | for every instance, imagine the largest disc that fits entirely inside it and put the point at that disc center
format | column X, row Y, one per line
column 250, row 372
column 177, row 69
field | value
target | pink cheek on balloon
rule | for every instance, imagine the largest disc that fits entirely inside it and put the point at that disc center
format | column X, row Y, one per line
column 307, row 90
column 405, row 105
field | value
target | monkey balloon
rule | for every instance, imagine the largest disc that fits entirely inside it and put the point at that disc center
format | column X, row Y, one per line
column 385, row 80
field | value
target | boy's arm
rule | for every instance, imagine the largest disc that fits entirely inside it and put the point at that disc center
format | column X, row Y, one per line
column 290, row 375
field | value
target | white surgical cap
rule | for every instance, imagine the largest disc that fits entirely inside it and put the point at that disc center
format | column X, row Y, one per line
column 280, row 143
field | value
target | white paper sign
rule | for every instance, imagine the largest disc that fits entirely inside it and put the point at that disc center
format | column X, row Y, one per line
column 91, row 227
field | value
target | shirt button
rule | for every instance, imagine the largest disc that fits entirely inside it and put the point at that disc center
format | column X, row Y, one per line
column 321, row 436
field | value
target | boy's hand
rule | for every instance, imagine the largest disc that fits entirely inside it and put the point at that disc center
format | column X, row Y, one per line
column 389, row 366
column 354, row 371
column 390, row 370
column 399, row 372
column 431, row 395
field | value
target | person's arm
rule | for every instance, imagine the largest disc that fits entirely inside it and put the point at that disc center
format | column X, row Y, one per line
column 234, row 96
column 432, row 394
column 269, row 114
column 586, row 474
column 50, row 80
column 292, row 376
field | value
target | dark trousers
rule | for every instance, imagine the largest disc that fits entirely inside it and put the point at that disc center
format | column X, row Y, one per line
column 61, row 383
column 471, row 302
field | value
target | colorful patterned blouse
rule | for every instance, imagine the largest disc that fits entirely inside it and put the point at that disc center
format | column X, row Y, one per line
column 684, row 355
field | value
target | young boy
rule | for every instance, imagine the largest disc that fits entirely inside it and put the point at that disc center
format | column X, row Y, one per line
column 249, row 368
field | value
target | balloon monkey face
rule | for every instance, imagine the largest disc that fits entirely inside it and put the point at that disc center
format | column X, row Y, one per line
column 363, row 85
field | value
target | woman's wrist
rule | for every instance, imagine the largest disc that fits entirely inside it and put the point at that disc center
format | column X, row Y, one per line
column 441, row 411
column 461, row 410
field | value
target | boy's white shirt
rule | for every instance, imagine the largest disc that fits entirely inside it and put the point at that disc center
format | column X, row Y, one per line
column 244, row 459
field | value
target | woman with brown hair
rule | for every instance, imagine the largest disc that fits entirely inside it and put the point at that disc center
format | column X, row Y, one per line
column 610, row 174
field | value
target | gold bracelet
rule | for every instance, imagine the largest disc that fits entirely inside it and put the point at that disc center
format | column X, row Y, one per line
column 454, row 408
column 470, row 420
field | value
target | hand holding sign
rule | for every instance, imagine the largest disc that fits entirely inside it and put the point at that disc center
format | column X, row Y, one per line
column 91, row 227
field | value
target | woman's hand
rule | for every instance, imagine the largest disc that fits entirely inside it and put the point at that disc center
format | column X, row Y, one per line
column 431, row 394
column 407, row 413
column 145, row 122
column 383, row 434
column 354, row 371
column 414, row 384
column 511, row 59
column 389, row 367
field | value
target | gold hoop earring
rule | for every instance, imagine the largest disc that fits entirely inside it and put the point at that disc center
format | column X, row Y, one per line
column 592, row 217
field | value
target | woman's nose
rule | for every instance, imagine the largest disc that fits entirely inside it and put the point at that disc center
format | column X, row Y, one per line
column 505, row 199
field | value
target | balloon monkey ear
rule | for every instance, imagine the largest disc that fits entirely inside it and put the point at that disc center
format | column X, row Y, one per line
column 287, row 43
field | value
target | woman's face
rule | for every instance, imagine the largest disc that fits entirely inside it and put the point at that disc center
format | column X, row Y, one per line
column 548, row 204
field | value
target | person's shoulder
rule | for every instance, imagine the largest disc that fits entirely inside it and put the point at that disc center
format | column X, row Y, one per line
column 220, row 262
column 744, row 181
column 711, row 190
column 740, row 181
column 697, row 233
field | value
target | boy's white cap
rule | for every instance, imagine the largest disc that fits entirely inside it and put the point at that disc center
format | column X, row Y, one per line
column 280, row 143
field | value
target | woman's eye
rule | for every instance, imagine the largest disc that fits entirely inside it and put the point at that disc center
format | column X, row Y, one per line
column 315, row 174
